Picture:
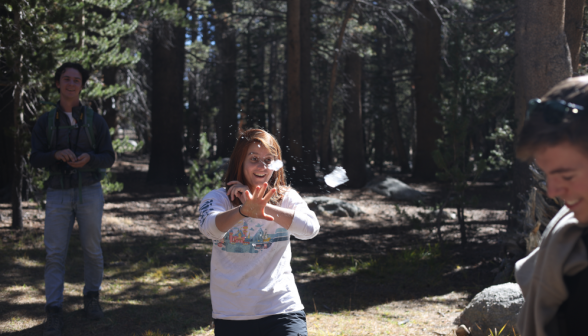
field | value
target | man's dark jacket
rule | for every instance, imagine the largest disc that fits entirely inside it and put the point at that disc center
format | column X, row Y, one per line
column 44, row 157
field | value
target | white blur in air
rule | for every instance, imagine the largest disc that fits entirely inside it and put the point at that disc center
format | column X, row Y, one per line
column 275, row 165
column 337, row 177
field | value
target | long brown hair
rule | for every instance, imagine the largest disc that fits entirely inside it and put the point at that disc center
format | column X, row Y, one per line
column 237, row 160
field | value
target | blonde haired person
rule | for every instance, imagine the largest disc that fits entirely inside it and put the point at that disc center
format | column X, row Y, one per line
column 252, row 287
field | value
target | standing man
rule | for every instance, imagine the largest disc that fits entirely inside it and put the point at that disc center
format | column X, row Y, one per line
column 73, row 144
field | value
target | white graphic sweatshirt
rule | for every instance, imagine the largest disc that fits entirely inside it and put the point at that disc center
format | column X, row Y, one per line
column 250, row 273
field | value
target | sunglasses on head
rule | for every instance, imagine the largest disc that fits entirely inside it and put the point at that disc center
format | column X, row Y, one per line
column 553, row 111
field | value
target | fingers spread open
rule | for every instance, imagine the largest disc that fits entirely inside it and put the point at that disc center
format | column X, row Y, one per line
column 269, row 195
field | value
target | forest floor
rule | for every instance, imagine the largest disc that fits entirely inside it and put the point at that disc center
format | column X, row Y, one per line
column 381, row 273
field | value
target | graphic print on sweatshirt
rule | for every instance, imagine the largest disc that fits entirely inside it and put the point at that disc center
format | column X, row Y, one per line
column 251, row 238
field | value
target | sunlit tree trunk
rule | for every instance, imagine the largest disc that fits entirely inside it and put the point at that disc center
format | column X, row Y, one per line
column 294, row 135
column 226, row 44
column 308, row 142
column 574, row 28
column 353, row 146
column 427, row 48
column 166, row 162
column 543, row 60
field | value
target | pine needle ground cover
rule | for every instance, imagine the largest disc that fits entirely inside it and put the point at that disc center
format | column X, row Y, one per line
column 382, row 273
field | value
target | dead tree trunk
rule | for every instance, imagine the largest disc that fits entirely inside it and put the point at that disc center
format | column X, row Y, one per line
column 353, row 145
column 427, row 47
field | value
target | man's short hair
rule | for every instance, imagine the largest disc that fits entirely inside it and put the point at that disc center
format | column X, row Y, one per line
column 538, row 132
column 85, row 74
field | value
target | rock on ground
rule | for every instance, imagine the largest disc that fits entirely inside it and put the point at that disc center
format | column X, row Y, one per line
column 393, row 189
column 332, row 207
column 492, row 308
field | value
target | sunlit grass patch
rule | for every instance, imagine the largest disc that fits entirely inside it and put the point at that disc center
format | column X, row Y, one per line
column 26, row 261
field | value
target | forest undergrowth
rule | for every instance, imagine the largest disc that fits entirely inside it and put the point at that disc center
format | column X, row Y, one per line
column 382, row 273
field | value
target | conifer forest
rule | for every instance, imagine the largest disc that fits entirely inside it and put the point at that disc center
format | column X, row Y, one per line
column 428, row 94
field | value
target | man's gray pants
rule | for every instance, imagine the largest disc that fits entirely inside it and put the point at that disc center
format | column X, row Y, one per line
column 63, row 207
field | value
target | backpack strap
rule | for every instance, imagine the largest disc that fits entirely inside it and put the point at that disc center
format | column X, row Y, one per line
column 88, row 114
column 53, row 114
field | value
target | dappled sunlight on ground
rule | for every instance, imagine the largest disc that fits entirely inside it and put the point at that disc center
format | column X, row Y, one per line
column 380, row 273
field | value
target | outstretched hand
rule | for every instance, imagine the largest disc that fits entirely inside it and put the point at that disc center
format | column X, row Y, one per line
column 254, row 205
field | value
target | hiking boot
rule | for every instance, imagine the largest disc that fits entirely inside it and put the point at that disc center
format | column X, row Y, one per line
column 92, row 306
column 54, row 323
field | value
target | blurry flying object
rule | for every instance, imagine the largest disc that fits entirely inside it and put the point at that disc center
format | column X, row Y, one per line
column 275, row 165
column 336, row 177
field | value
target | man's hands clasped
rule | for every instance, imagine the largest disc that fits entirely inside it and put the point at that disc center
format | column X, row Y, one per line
column 254, row 205
column 66, row 155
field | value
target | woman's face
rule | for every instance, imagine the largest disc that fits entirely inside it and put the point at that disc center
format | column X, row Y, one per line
column 255, row 167
column 566, row 171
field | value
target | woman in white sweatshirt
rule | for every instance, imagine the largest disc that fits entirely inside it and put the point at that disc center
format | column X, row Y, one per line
column 252, row 287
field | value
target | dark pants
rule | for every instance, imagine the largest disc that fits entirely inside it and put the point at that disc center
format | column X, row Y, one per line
column 289, row 324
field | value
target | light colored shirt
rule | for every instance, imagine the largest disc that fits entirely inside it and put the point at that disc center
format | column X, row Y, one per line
column 250, row 273
column 72, row 121
column 541, row 274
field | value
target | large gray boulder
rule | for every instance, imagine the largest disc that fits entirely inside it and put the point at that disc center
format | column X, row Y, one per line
column 332, row 207
column 394, row 189
column 492, row 308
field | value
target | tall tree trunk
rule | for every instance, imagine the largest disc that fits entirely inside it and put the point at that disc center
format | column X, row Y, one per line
column 326, row 132
column 6, row 124
column 396, row 130
column 427, row 47
column 308, row 143
column 226, row 43
column 294, row 136
column 353, row 145
column 109, row 104
column 166, row 163
column 17, row 154
column 272, row 110
column 543, row 60
column 194, row 115
column 574, row 28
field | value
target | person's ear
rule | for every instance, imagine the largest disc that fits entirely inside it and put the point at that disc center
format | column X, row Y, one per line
column 57, row 84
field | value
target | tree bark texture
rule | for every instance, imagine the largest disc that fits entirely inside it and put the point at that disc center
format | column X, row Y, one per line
column 16, row 196
column 353, row 145
column 6, row 138
column 427, row 46
column 574, row 28
column 166, row 162
column 294, row 137
column 109, row 104
column 308, row 143
column 226, row 43
column 543, row 60
column 326, row 133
